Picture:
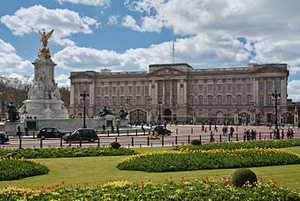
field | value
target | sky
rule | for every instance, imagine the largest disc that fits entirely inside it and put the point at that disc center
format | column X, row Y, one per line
column 129, row 35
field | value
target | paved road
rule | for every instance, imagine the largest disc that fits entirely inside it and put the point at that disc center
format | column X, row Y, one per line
column 182, row 134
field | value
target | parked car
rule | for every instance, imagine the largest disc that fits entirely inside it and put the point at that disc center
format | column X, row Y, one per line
column 50, row 132
column 3, row 138
column 83, row 134
column 161, row 130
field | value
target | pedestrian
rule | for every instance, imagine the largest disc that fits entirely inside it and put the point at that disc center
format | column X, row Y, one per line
column 118, row 131
column 231, row 131
column 212, row 139
column 103, row 128
column 26, row 131
column 19, row 133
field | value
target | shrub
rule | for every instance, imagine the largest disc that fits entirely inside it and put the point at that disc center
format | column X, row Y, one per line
column 12, row 168
column 242, row 176
column 115, row 145
column 196, row 142
column 207, row 159
column 65, row 152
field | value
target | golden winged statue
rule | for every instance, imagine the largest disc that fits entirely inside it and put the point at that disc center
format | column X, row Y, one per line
column 44, row 39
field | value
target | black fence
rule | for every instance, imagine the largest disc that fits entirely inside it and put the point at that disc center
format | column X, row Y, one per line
column 131, row 140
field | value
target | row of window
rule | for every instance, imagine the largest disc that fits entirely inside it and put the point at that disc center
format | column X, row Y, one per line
column 192, row 101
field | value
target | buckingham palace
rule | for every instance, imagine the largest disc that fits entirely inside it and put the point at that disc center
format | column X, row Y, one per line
column 178, row 92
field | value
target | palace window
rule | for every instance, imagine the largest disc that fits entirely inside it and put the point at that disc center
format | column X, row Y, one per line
column 200, row 88
column 138, row 89
column 122, row 89
column 209, row 100
column 200, row 100
column 219, row 100
column 261, row 101
column 219, row 87
column 249, row 87
column 239, row 100
column 228, row 100
column 209, row 88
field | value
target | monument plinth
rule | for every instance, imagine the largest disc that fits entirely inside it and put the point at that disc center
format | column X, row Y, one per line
column 44, row 97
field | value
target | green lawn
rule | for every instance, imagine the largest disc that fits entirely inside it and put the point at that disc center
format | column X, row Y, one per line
column 99, row 170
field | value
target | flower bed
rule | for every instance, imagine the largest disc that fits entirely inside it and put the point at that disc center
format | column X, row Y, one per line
column 64, row 152
column 207, row 159
column 204, row 189
column 238, row 145
column 11, row 168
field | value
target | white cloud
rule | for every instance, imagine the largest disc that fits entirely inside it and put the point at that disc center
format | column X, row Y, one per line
column 63, row 80
column 63, row 21
column 227, row 52
column 113, row 20
column 10, row 61
column 294, row 90
column 104, row 3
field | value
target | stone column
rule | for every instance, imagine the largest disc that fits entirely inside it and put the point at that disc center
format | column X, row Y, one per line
column 171, row 92
column 185, row 92
column 164, row 92
column 155, row 95
column 72, row 95
column 178, row 93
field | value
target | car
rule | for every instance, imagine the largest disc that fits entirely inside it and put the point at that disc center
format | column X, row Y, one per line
column 161, row 130
column 3, row 138
column 82, row 134
column 50, row 132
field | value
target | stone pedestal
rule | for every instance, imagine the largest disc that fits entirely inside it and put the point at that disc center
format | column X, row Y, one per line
column 121, row 122
column 43, row 97
column 11, row 127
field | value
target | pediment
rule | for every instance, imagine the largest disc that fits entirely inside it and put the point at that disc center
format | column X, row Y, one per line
column 270, row 68
column 167, row 71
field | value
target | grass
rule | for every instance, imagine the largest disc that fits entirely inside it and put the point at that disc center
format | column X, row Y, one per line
column 99, row 170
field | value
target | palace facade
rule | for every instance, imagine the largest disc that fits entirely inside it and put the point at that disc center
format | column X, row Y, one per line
column 178, row 92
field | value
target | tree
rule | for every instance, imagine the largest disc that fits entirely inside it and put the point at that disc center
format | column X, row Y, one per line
column 65, row 95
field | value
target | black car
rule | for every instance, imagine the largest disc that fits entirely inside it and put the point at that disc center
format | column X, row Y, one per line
column 161, row 130
column 84, row 134
column 3, row 138
column 50, row 132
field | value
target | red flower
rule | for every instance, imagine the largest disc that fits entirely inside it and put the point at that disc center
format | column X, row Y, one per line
column 62, row 182
column 142, row 186
column 5, row 187
column 170, row 177
column 217, row 174
column 42, row 186
column 25, row 192
column 66, row 195
column 142, row 182
column 149, row 180
column 182, row 177
column 87, row 183
column 178, row 186
column 274, row 186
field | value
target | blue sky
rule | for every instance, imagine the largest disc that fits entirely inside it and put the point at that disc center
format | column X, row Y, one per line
column 129, row 35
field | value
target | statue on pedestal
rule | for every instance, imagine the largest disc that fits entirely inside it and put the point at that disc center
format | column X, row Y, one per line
column 123, row 114
column 45, row 37
column 13, row 114
column 105, row 111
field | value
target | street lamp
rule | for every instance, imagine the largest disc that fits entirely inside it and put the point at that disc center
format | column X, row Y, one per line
column 159, row 114
column 276, row 96
column 84, row 95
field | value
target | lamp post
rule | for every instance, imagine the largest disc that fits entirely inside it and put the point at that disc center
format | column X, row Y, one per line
column 159, row 114
column 276, row 96
column 84, row 95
